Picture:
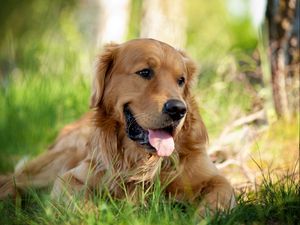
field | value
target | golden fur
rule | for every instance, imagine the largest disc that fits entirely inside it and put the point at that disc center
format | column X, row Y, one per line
column 95, row 152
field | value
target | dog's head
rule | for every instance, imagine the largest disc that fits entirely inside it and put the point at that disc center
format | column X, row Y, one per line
column 144, row 84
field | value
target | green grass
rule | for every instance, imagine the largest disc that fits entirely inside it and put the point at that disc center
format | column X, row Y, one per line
column 273, row 202
column 33, row 109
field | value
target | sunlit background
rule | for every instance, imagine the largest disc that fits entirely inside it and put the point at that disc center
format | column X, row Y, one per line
column 47, row 50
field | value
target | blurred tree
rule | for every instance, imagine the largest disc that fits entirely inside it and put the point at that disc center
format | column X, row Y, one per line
column 284, row 51
column 26, row 28
column 165, row 21
column 114, row 21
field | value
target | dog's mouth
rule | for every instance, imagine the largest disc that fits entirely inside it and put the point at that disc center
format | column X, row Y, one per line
column 158, row 140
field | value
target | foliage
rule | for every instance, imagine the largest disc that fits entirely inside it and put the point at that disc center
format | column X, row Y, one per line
column 46, row 43
column 213, row 32
column 44, row 82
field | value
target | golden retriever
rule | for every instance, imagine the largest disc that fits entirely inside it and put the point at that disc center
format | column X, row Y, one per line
column 144, row 127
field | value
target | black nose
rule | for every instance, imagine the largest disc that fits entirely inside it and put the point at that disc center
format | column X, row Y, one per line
column 175, row 109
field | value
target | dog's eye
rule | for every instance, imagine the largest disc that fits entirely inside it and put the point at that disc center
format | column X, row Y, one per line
column 145, row 73
column 181, row 81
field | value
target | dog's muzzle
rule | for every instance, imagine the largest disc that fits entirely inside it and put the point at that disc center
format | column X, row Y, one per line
column 135, row 132
column 156, row 140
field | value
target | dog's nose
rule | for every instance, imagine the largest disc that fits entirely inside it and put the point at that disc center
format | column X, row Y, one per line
column 175, row 109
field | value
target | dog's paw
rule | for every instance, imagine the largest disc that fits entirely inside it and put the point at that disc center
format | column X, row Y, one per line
column 204, row 211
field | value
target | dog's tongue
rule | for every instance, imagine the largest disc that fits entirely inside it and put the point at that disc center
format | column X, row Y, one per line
column 162, row 141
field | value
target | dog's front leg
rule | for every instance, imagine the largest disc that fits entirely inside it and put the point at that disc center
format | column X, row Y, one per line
column 217, row 195
column 199, row 180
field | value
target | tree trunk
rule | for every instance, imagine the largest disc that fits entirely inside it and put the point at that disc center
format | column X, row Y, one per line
column 114, row 21
column 280, row 15
column 165, row 21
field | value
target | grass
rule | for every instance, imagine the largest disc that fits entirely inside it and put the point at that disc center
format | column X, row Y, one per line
column 30, row 117
column 273, row 202
column 282, row 138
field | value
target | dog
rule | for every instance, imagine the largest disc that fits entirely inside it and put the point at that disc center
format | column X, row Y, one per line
column 143, row 127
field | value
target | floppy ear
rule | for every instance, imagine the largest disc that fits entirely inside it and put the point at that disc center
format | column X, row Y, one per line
column 191, row 69
column 103, row 66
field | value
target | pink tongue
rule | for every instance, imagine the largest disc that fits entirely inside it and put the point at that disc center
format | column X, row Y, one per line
column 162, row 141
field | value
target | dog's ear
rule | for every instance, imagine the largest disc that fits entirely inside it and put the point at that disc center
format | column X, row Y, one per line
column 103, row 66
column 192, row 70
